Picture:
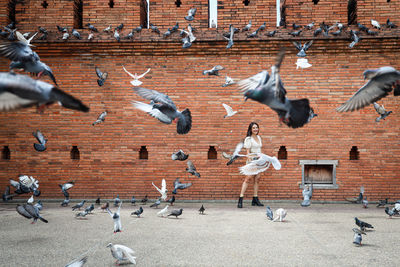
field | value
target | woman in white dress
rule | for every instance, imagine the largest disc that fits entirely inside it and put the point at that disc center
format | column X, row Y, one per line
column 253, row 144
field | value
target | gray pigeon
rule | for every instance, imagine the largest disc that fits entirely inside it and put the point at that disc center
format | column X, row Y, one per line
column 102, row 76
column 180, row 155
column 253, row 34
column 317, row 31
column 354, row 37
column 78, row 262
column 357, row 236
column 186, row 42
column 130, row 35
column 29, row 211
column 138, row 29
column 155, row 204
column 214, row 71
column 42, row 141
column 39, row 205
column 235, row 154
column 154, row 28
column 309, row 26
column 79, row 205
column 164, row 109
column 167, row 33
column 178, row 185
column 117, row 201
column 271, row 33
column 91, row 27
column 192, row 169
column 101, row 118
column 390, row 24
column 89, row 209
column 191, row 14
column 390, row 212
column 262, row 27
column 64, row 187
column 381, row 111
column 65, row 202
column 307, row 194
column 116, row 218
column 230, row 37
column 138, row 212
column 302, row 48
column 269, row 213
column 119, row 27
column 381, row 83
column 295, row 33
column 133, row 200
column 362, row 224
column 81, row 214
column 76, row 34
column 176, row 213
column 175, row 28
column 247, row 27
column 269, row 90
column 17, row 91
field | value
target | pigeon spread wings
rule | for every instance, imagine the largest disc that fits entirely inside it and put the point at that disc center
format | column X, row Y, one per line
column 254, row 81
column 155, row 96
column 156, row 113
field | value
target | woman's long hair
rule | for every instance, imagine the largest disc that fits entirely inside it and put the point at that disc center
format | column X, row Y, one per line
column 250, row 127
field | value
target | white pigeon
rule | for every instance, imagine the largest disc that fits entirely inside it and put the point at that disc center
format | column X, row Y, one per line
column 260, row 164
column 302, row 63
column 163, row 191
column 116, row 218
column 397, row 207
column 375, row 24
column 136, row 77
column 122, row 253
column 90, row 36
column 108, row 29
column 30, row 200
column 29, row 181
column 228, row 81
column 192, row 38
column 229, row 111
column 281, row 214
column 65, row 36
column 163, row 211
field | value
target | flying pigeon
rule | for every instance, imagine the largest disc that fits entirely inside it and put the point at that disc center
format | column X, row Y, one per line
column 281, row 214
column 357, row 236
column 163, row 191
column 117, row 201
column 26, row 184
column 269, row 213
column 176, row 213
column 18, row 91
column 302, row 49
column 362, row 224
column 116, row 218
column 380, row 84
column 307, row 194
column 235, row 154
column 269, row 90
column 186, row 42
column 189, row 34
column 230, row 36
column 76, row 34
column 29, row 211
column 171, row 200
column 302, row 63
column 191, row 14
column 78, row 262
column 163, row 212
column 229, row 111
column 214, row 71
column 260, row 164
column 178, row 185
column 138, row 212
column 102, row 76
column 382, row 202
column 192, row 169
column 64, row 187
column 180, row 155
column 79, row 205
column 135, row 81
column 381, row 111
column 122, row 253
column 247, row 27
column 42, row 141
column 133, row 200
column 108, row 29
column 228, row 81
column 163, row 109
column 354, row 37
column 156, row 204
column 92, row 28
column 201, row 210
column 101, row 118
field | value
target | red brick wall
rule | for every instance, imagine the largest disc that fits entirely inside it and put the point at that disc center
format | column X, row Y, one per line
column 109, row 152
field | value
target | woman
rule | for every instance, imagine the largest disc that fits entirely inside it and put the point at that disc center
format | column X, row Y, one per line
column 253, row 144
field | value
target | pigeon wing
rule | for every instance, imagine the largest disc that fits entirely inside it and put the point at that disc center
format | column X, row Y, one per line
column 156, row 113
column 307, row 45
column 22, row 211
column 16, row 51
column 158, row 189
column 142, row 75
column 228, row 109
column 254, row 81
column 155, row 96
column 297, row 45
column 163, row 185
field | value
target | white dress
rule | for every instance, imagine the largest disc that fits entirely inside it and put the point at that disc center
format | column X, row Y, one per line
column 253, row 145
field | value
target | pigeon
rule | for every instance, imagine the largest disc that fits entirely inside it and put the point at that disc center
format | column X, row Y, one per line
column 76, row 34
column 135, row 81
column 271, row 33
column 213, row 24
column 359, row 198
column 39, row 205
column 235, row 154
column 65, row 36
column 186, row 42
column 122, row 253
column 18, row 91
column 176, row 213
column 167, row 33
column 154, row 28
column 192, row 169
column 138, row 29
column 116, row 218
column 381, row 111
column 79, row 205
column 375, row 24
column 65, row 202
column 229, row 111
column 307, row 194
column 370, row 32
column 81, row 214
column 29, row 212
column 295, row 33
column 317, row 31
column 90, row 36
column 390, row 24
column 337, row 33
column 133, row 200
column 357, row 236
column 138, row 212
column 189, row 34
column 101, row 118
column 262, row 27
column 214, row 71
column 253, row 34
column 354, row 37
column 26, row 184
column 175, row 28
column 247, row 27
column 105, row 206
column 269, row 213
column 362, row 224
column 281, row 214
column 117, row 201
column 178, row 185
column 64, row 187
column 130, row 35
column 163, row 109
column 382, row 203
column 295, row 26
column 78, row 262
column 365, row 202
column 201, row 210
column 302, row 49
column 260, row 164
column 108, row 29
column 62, row 29
column 228, row 81
column 390, row 212
column 102, row 76
column 155, row 204
column 91, row 27
column 116, row 36
column 309, row 26
column 89, row 209
column 171, row 200
column 163, row 191
column 163, row 212
column 97, row 201
column 180, row 155
column 43, row 36
column 380, row 84
column 361, row 27
column 42, row 141
column 230, row 38
column 144, row 200
column 269, row 90
column 191, row 14
column 302, row 63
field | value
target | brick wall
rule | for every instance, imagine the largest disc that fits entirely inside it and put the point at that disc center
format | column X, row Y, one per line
column 109, row 152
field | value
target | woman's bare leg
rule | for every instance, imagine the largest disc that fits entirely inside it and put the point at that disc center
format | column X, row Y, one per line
column 256, row 180
column 245, row 184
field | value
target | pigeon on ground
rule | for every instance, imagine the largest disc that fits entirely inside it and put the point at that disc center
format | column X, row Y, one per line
column 65, row 202
column 163, row 191
column 138, row 29
column 309, row 26
column 178, row 185
column 101, row 118
column 79, row 205
column 163, row 109
column 214, row 71
column 117, row 201
column 129, row 36
column 269, row 213
column 390, row 212
column 380, row 84
column 18, row 91
column 262, row 27
column 247, row 27
column 229, row 111
column 102, row 76
column 156, row 204
column 42, row 141
column 133, row 200
column 192, row 169
column 105, row 206
column 97, row 201
column 307, row 194
column 269, row 90
column 191, row 14
column 354, row 37
column 76, row 34
column 29, row 211
column 359, row 198
column 175, row 28
column 89, row 209
column 108, row 29
column 302, row 63
column 117, row 36
column 92, row 28
column 138, row 212
column 382, row 203
column 228, row 81
column 271, row 33
column 362, row 224
column 135, row 81
column 260, row 164
column 163, row 212
column 39, row 205
column 180, row 155
column 116, row 218
column 171, row 200
column 365, row 202
column 390, row 24
column 230, row 36
column 302, row 48
column 144, row 200
column 357, row 236
column 375, row 24
column 295, row 33
column 201, row 210
column 281, row 214
column 176, row 213
column 154, row 28
column 122, row 253
column 381, row 111
column 78, row 262
column 235, row 154
column 81, row 214
column 64, row 187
